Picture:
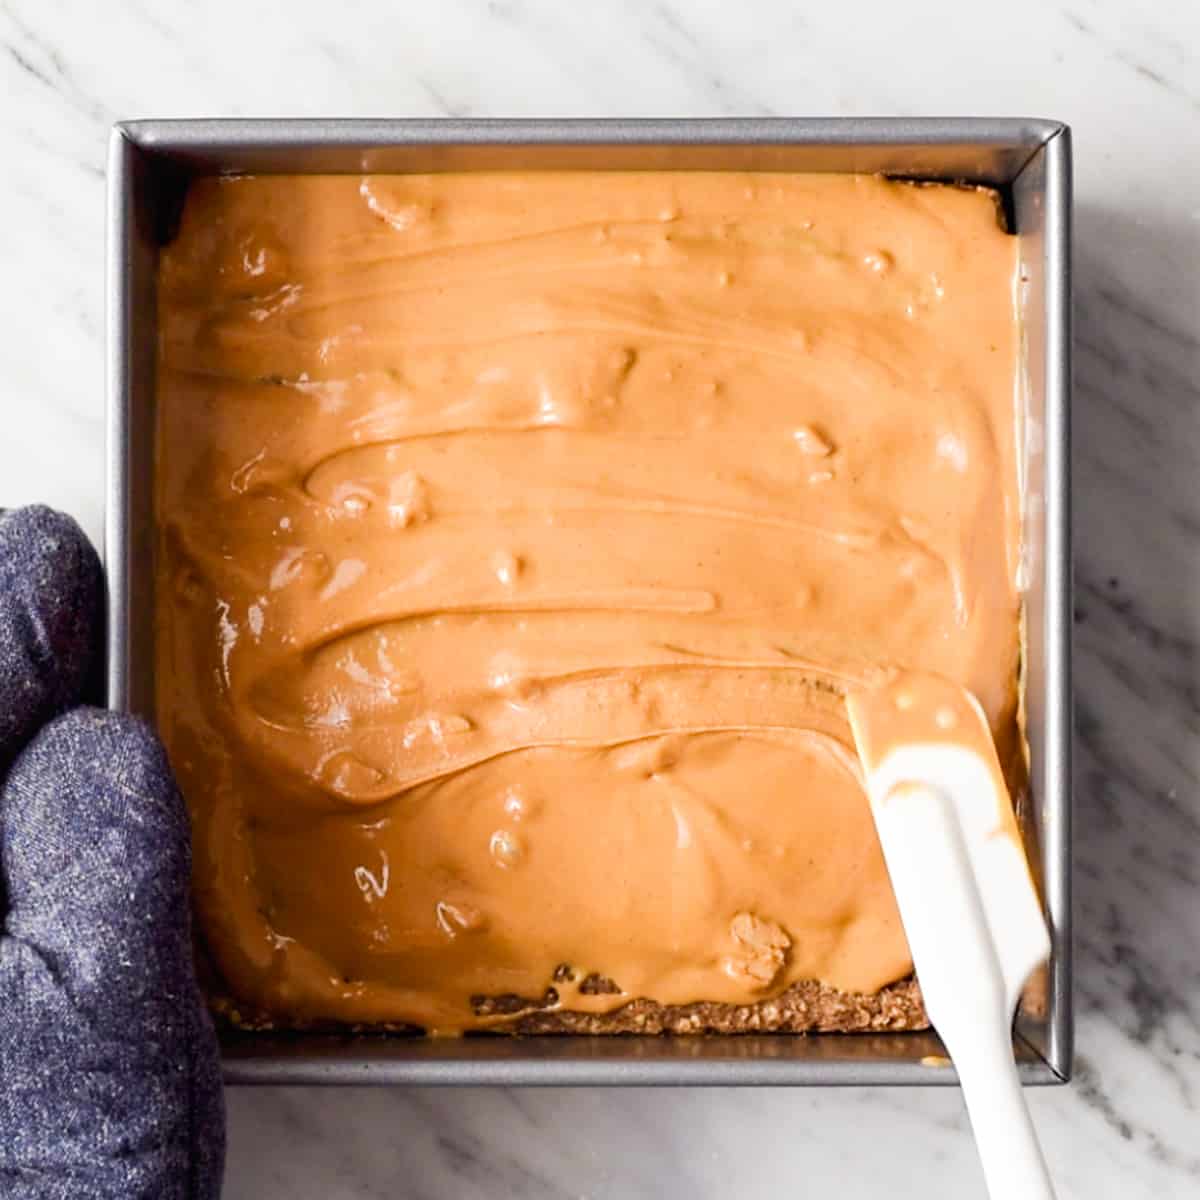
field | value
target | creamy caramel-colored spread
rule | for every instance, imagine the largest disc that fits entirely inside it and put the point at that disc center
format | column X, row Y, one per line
column 521, row 535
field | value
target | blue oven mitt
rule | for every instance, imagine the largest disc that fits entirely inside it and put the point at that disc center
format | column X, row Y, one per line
column 109, row 1079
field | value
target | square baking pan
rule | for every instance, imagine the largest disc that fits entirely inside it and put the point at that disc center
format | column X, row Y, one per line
column 150, row 163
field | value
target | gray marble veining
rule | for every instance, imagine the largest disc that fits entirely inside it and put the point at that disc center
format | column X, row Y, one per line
column 1126, row 78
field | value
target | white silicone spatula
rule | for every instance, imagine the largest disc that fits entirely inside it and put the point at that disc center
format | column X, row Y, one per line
column 968, row 903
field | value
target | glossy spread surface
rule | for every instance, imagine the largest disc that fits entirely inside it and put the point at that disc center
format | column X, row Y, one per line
column 520, row 536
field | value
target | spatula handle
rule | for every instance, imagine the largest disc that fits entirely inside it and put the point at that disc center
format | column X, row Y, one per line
column 1008, row 1147
column 960, row 974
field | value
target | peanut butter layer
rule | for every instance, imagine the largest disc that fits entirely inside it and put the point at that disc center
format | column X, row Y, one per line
column 520, row 536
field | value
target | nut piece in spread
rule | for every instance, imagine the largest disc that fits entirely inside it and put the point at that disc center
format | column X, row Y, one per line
column 763, row 946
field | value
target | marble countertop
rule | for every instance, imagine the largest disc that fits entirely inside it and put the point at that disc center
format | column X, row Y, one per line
column 1129, row 84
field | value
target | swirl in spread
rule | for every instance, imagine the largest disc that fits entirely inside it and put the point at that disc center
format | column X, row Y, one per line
column 520, row 535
